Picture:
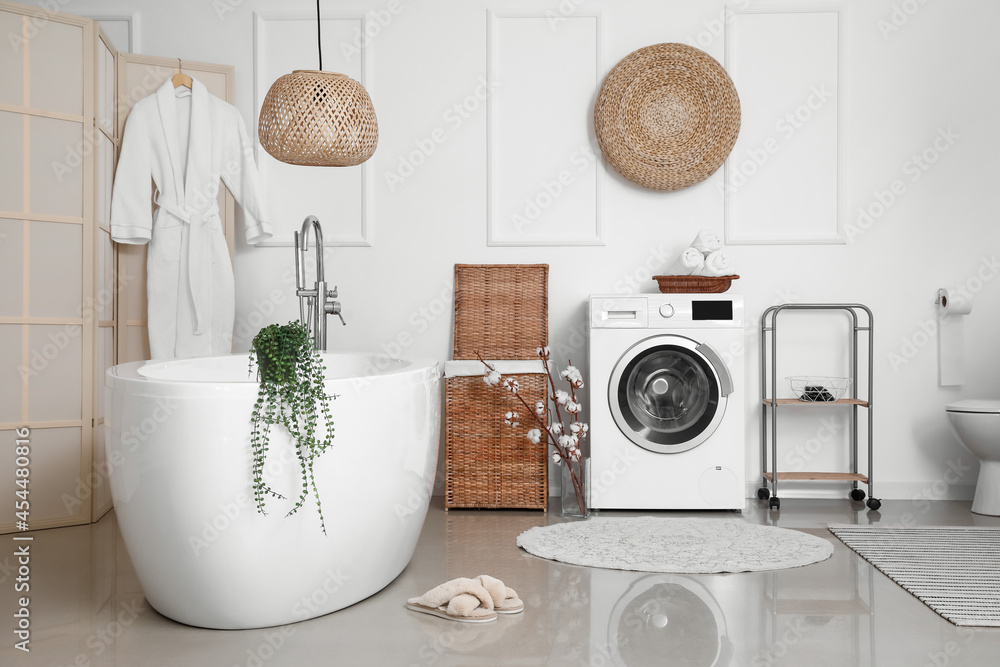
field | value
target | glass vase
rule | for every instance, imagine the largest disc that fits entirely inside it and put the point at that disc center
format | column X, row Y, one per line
column 575, row 493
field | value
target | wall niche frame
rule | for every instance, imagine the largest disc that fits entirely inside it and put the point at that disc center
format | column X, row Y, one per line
column 309, row 190
column 785, row 182
column 566, row 187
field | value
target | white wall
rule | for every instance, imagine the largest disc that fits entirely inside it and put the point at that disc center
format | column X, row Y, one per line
column 935, row 72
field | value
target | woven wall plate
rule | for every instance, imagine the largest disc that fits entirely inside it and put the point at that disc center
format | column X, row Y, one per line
column 667, row 116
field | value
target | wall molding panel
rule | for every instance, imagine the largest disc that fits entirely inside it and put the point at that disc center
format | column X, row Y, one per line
column 342, row 198
column 785, row 178
column 544, row 169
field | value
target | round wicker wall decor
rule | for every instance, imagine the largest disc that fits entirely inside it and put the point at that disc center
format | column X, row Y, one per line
column 667, row 116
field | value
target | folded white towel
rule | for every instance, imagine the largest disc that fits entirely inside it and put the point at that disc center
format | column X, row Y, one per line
column 689, row 263
column 717, row 264
column 707, row 241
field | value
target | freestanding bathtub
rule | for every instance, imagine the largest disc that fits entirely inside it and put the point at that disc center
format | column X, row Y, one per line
column 178, row 449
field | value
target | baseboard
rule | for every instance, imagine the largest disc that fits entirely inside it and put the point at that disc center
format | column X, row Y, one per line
column 924, row 490
column 839, row 490
column 938, row 490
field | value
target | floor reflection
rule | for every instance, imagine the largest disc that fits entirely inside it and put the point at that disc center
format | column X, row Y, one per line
column 826, row 609
column 657, row 615
column 88, row 608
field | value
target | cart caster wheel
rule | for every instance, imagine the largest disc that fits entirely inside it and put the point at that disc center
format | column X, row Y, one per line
column 857, row 494
column 775, row 503
column 763, row 493
column 874, row 503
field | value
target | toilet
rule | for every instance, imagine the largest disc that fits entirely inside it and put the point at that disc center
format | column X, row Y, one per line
column 976, row 423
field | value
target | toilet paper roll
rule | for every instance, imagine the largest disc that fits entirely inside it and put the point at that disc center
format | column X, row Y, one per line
column 951, row 337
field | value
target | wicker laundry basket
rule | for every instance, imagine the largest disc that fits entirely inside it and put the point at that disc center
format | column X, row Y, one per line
column 501, row 312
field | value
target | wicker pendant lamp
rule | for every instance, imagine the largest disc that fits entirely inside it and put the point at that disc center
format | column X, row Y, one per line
column 317, row 118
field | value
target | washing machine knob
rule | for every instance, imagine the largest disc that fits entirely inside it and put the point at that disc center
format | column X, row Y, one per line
column 667, row 310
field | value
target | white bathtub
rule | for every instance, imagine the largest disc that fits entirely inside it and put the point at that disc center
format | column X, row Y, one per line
column 178, row 447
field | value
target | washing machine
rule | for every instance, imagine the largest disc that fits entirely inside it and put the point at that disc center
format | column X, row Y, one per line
column 667, row 402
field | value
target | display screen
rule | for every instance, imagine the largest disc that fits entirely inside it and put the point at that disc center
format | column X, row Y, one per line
column 712, row 310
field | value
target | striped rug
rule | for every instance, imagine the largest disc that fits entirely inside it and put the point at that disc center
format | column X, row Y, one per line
column 953, row 570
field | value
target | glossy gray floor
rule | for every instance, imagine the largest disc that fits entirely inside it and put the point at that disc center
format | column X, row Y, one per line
column 88, row 608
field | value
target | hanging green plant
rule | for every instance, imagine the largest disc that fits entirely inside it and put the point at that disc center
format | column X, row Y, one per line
column 291, row 394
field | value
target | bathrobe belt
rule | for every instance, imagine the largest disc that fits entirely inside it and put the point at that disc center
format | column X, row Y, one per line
column 199, row 256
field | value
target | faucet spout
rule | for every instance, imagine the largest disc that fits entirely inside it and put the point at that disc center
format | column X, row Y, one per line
column 312, row 222
column 317, row 302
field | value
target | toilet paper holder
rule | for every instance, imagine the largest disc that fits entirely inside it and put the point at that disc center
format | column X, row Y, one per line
column 950, row 336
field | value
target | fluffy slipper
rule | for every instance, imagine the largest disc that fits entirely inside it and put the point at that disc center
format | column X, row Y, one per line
column 461, row 599
column 505, row 600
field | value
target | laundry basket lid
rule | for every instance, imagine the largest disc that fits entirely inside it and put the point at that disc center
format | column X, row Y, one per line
column 984, row 406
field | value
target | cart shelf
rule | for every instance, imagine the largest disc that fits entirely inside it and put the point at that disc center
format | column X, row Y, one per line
column 828, row 476
column 795, row 401
column 855, row 607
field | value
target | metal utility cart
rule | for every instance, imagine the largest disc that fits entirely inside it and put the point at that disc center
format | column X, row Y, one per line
column 770, row 404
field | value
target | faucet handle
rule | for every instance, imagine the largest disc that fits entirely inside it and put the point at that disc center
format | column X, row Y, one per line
column 333, row 308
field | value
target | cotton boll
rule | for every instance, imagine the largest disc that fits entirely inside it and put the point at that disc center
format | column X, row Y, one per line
column 573, row 376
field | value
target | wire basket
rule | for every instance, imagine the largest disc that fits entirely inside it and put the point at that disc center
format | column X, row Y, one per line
column 817, row 388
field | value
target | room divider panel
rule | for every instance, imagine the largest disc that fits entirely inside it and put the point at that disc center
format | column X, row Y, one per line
column 47, row 333
column 72, row 302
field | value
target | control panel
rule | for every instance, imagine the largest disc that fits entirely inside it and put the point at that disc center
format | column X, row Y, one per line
column 656, row 311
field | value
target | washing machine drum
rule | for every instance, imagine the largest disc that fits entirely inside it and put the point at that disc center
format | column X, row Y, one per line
column 668, row 393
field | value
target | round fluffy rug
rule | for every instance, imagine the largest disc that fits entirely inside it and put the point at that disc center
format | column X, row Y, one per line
column 654, row 544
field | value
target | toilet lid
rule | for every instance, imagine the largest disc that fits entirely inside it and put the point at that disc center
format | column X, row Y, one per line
column 974, row 405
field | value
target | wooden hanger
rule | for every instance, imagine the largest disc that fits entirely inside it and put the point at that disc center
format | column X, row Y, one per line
column 180, row 78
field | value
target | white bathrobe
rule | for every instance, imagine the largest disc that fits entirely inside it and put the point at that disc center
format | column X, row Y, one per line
column 186, row 141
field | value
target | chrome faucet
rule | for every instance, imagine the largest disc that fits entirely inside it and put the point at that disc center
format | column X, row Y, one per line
column 316, row 303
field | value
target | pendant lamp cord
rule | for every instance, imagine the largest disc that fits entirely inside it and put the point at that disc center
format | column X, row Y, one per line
column 319, row 37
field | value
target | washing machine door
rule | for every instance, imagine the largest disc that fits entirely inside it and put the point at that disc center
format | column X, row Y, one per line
column 668, row 393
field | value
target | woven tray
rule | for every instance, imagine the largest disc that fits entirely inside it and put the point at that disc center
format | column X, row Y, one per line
column 694, row 284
